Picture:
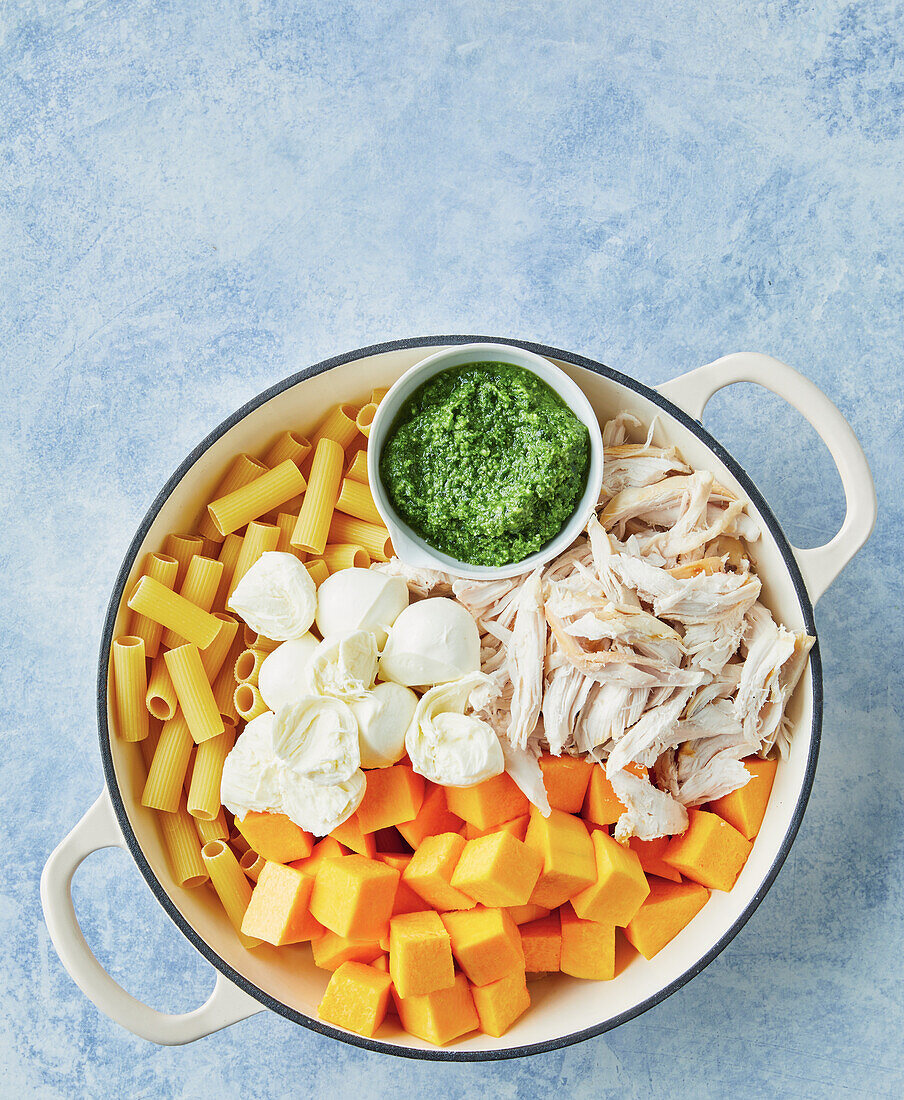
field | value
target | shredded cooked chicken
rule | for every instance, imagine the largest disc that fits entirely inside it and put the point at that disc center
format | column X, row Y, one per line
column 644, row 646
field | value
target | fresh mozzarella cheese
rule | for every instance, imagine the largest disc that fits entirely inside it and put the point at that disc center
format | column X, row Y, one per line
column 281, row 677
column 251, row 772
column 448, row 746
column 344, row 666
column 276, row 597
column 317, row 808
column 317, row 739
column 383, row 717
column 433, row 641
column 360, row 599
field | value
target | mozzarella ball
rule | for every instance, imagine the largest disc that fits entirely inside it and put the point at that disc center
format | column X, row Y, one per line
column 433, row 641
column 319, row 809
column 344, row 666
column 281, row 677
column 317, row 739
column 250, row 778
column 360, row 599
column 276, row 597
column 448, row 746
column 383, row 717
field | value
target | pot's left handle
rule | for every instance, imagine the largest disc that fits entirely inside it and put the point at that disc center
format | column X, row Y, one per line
column 100, row 829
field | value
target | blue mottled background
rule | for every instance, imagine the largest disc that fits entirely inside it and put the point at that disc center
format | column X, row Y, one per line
column 197, row 199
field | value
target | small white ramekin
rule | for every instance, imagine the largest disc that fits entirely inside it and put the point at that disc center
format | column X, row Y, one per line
column 408, row 544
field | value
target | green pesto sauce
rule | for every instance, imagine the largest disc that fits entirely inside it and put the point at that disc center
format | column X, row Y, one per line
column 486, row 463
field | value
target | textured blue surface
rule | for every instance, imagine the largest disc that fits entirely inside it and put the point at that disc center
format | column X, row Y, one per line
column 193, row 206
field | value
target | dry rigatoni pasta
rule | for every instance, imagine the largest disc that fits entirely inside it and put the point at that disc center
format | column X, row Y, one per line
column 357, row 468
column 217, row 829
column 162, row 568
column 248, row 665
column 160, row 697
column 166, row 775
column 238, row 843
column 259, row 539
column 248, row 702
column 243, row 470
column 223, row 689
column 355, row 500
column 319, row 501
column 202, row 579
column 215, row 654
column 229, row 881
column 345, row 555
column 181, row 840
column 252, row 864
column 290, row 446
column 229, row 555
column 204, row 792
column 365, row 418
column 157, row 602
column 258, row 497
column 194, row 692
column 286, row 521
column 183, row 548
column 130, row 687
column 265, row 645
column 374, row 539
column 338, row 425
column 318, row 570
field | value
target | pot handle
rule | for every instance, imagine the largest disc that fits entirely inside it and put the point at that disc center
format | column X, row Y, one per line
column 100, row 829
column 821, row 564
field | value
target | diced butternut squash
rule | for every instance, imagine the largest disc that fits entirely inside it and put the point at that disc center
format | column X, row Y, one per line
column 668, row 908
column 497, row 869
column 353, row 896
column 356, row 998
column 488, row 803
column 441, row 1016
column 331, row 951
column 389, row 841
column 353, row 837
column 566, row 779
column 523, row 914
column 500, row 1003
column 328, row 848
column 709, row 851
column 486, row 943
column 588, row 947
column 649, row 852
column 406, row 900
column 745, row 808
column 420, row 954
column 278, row 909
column 275, row 836
column 429, row 872
column 601, row 806
column 391, row 797
column 433, row 818
column 569, row 864
column 517, row 827
column 620, row 885
column 541, row 941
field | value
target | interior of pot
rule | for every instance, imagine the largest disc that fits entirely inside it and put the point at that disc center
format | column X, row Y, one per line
column 561, row 1006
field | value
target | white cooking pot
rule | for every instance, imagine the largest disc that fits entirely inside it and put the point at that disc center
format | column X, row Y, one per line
column 564, row 1010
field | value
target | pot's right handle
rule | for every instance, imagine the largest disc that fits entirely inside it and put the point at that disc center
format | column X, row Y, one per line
column 821, row 564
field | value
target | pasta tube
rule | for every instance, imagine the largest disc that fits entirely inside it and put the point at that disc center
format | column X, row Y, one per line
column 374, row 539
column 320, row 499
column 248, row 702
column 355, row 500
column 259, row 538
column 204, row 792
column 215, row 654
column 229, row 555
column 199, row 587
column 217, row 829
column 377, row 395
column 257, row 497
column 194, row 692
column 168, row 608
column 230, row 884
column 338, row 425
column 286, row 521
column 243, row 471
column 181, row 842
column 162, row 568
column 317, row 567
column 265, row 645
column 357, row 468
column 223, row 689
column 160, row 697
column 365, row 418
column 166, row 774
column 252, row 864
column 345, row 555
column 248, row 665
column 130, row 684
column 287, row 446
column 183, row 548
column 238, row 843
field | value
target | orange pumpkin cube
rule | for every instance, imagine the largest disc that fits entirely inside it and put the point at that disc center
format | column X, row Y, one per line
column 433, row 818
column 524, row 914
column 745, row 808
column 429, row 872
column 353, row 896
column 420, row 954
column 620, row 885
column 406, row 900
column 668, row 908
column 709, row 851
column 278, row 909
column 649, row 852
column 517, row 827
column 392, row 796
column 541, row 941
column 601, row 805
column 497, row 870
column 356, row 998
column 488, row 803
column 486, row 943
column 588, row 947
column 500, row 1003
column 331, row 951
column 353, row 837
column 275, row 836
column 328, row 848
column 566, row 779
column 441, row 1016
column 569, row 864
